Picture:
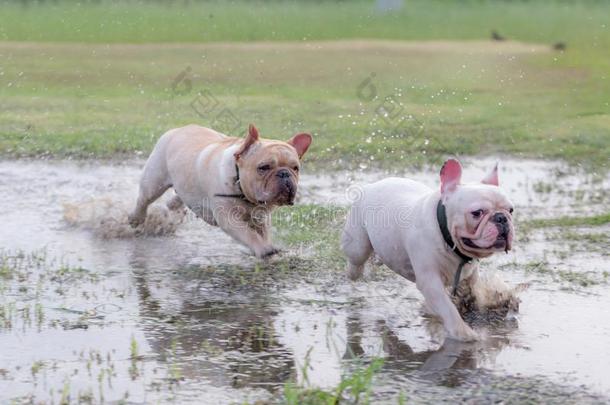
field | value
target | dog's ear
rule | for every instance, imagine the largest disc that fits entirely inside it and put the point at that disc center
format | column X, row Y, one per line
column 451, row 175
column 249, row 140
column 492, row 177
column 301, row 143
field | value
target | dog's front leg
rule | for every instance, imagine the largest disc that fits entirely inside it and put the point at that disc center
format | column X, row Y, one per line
column 433, row 289
column 244, row 233
column 246, row 226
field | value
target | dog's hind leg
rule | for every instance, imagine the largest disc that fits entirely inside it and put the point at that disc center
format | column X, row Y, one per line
column 154, row 182
column 148, row 194
column 355, row 244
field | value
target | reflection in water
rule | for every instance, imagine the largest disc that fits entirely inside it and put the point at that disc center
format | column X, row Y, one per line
column 249, row 328
column 212, row 329
column 435, row 365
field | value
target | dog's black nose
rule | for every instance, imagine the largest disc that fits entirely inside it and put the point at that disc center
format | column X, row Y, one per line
column 283, row 173
column 499, row 218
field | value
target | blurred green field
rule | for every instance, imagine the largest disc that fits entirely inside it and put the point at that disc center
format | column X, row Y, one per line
column 100, row 79
column 578, row 22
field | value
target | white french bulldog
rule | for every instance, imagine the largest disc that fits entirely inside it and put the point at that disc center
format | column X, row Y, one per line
column 429, row 237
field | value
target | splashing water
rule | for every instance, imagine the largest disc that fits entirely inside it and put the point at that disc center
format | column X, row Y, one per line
column 107, row 219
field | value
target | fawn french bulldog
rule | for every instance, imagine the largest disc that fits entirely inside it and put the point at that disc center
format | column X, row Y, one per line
column 431, row 237
column 229, row 182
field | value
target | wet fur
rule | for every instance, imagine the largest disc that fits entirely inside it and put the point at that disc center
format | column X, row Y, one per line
column 395, row 219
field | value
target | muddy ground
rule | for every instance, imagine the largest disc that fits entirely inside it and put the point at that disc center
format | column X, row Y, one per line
column 91, row 312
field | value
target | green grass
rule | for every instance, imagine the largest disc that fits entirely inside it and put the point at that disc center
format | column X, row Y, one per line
column 581, row 278
column 310, row 225
column 98, row 100
column 209, row 21
column 29, row 282
column 570, row 221
column 353, row 388
column 310, row 232
column 595, row 239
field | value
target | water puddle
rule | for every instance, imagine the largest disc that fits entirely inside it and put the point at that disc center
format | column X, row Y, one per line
column 91, row 311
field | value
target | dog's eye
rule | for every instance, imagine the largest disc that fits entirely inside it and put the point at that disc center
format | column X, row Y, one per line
column 511, row 210
column 264, row 168
column 296, row 168
column 477, row 213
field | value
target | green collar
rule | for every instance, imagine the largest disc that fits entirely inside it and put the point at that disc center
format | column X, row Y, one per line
column 441, row 216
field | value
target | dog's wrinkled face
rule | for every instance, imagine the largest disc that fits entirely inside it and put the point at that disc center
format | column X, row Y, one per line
column 269, row 169
column 479, row 216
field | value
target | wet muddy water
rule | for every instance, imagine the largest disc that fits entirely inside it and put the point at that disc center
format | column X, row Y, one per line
column 92, row 312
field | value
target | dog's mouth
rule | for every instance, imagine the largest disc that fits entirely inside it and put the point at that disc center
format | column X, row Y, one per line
column 501, row 243
column 287, row 193
column 478, row 242
column 280, row 192
column 284, row 195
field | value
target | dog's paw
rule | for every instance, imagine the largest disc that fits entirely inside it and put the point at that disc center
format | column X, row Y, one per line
column 135, row 221
column 267, row 253
column 354, row 272
column 464, row 334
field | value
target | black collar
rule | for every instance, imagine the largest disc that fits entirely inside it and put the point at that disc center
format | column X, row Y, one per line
column 441, row 216
column 241, row 194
